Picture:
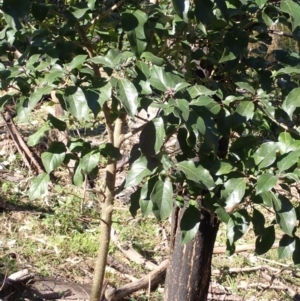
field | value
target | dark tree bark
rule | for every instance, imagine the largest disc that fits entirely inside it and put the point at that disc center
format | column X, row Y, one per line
column 188, row 276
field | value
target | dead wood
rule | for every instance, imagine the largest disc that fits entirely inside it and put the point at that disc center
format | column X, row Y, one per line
column 20, row 276
column 133, row 255
column 275, row 281
column 151, row 279
column 24, row 151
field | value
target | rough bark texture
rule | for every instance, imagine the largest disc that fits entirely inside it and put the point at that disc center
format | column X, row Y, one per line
column 188, row 276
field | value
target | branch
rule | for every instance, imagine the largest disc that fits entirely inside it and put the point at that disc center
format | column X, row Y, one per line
column 105, row 14
column 281, row 33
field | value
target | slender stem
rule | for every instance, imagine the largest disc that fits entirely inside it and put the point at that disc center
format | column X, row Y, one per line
column 107, row 208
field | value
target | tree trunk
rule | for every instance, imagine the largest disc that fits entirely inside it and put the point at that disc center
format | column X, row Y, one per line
column 188, row 276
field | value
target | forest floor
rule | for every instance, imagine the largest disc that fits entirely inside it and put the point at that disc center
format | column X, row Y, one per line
column 56, row 238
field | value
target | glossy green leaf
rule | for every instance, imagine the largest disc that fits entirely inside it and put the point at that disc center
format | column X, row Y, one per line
column 79, row 13
column 198, row 90
column 57, row 123
column 77, row 61
column 152, row 137
column 234, row 190
column 287, row 143
column 181, row 108
column 141, row 168
column 207, row 102
column 285, row 214
column 266, row 154
column 91, row 4
column 220, row 168
column 264, row 242
column 76, row 102
column 265, row 182
column 78, row 177
column 287, row 70
column 89, row 161
column 39, row 186
column 189, row 224
column 110, row 151
column 287, row 246
column 196, row 173
column 291, row 102
column 103, row 60
column 162, row 199
column 245, row 109
column 293, row 9
column 149, row 56
column 237, row 225
column 37, row 95
column 134, row 24
column 162, row 80
column 54, row 156
column 288, row 161
column 128, row 96
column 261, row 3
column 35, row 138
column 245, row 86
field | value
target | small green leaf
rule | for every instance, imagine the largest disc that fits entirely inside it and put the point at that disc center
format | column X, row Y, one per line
column 234, row 190
column 57, row 123
column 91, row 4
column 285, row 214
column 35, row 138
column 196, row 173
column 152, row 137
column 237, row 225
column 291, row 102
column 78, row 13
column 287, row 246
column 141, row 168
column 266, row 154
column 198, row 90
column 162, row 199
column 108, row 150
column 39, row 186
column 261, row 3
column 128, row 96
column 245, row 86
column 54, row 156
column 162, row 80
column 245, row 109
column 264, row 242
column 102, row 60
column 288, row 161
column 265, row 182
column 220, row 168
column 77, row 61
column 76, row 102
column 189, row 224
column 293, row 9
column 89, row 161
column 152, row 58
column 78, row 177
